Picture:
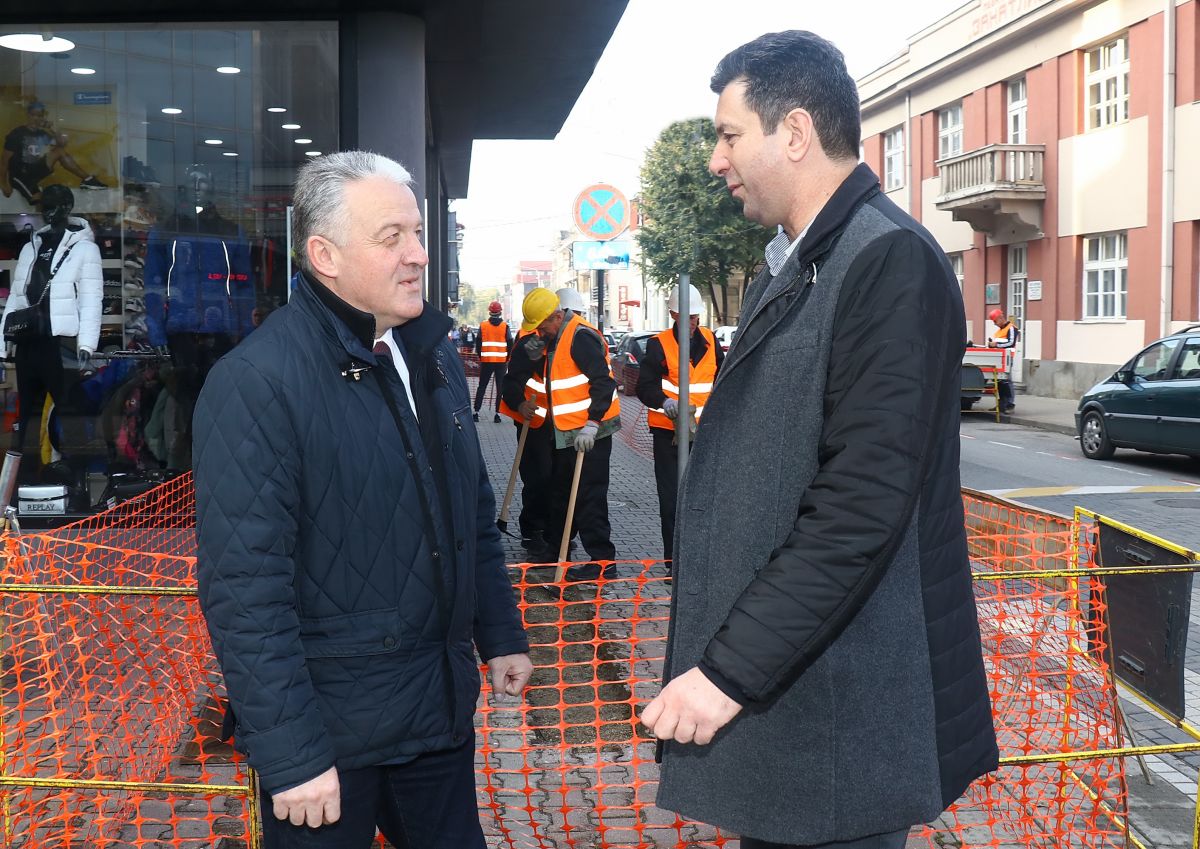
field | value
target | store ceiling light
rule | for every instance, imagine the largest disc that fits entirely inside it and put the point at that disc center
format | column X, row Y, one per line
column 290, row 126
column 83, row 72
column 303, row 141
column 228, row 69
column 277, row 109
column 34, row 42
column 172, row 110
column 312, row 153
column 229, row 153
column 213, row 141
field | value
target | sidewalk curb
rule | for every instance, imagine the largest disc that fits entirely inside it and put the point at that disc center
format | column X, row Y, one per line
column 1069, row 430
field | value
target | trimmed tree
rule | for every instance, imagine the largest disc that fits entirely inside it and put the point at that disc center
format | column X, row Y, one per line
column 691, row 222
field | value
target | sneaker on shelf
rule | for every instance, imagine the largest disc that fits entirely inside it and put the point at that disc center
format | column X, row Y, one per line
column 93, row 183
column 132, row 260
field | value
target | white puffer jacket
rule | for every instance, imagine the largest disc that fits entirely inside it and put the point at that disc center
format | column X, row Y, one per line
column 77, row 289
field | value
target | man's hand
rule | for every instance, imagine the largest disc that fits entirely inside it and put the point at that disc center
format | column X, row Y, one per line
column 314, row 803
column 535, row 348
column 527, row 408
column 510, row 673
column 585, row 440
column 671, row 408
column 690, row 709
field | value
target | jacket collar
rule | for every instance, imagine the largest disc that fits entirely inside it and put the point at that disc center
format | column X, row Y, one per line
column 360, row 324
column 859, row 187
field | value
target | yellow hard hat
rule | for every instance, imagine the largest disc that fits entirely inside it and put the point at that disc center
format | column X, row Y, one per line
column 537, row 307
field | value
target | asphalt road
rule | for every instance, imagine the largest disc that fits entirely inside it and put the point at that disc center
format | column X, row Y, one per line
column 1159, row 494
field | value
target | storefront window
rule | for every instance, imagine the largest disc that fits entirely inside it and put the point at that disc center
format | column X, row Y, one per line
column 146, row 177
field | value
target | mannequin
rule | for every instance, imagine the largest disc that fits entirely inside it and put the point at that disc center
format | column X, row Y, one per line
column 58, row 273
column 200, row 293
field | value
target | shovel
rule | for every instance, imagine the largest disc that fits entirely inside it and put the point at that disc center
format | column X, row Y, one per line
column 502, row 522
column 566, row 538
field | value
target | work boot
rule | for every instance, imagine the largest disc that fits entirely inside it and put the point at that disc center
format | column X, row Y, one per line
column 476, row 415
column 534, row 541
column 496, row 419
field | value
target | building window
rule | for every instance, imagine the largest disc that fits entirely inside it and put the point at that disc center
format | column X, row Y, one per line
column 1105, row 275
column 956, row 263
column 950, row 126
column 1017, row 108
column 1107, row 83
column 893, row 159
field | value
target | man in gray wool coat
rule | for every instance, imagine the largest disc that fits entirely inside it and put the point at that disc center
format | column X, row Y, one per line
column 826, row 684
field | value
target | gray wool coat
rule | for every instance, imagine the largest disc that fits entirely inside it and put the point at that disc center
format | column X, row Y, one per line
column 828, row 589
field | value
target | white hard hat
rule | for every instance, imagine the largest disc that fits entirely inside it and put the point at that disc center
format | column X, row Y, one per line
column 570, row 299
column 695, row 302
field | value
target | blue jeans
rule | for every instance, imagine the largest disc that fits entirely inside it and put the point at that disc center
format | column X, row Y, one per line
column 427, row 803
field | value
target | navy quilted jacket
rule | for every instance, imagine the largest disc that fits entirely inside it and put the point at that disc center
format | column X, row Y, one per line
column 344, row 609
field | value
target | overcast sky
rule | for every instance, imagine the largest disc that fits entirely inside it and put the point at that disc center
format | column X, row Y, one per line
column 654, row 71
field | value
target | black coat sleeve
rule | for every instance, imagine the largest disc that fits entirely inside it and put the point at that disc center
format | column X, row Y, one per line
column 588, row 350
column 247, row 473
column 520, row 369
column 650, row 375
column 885, row 387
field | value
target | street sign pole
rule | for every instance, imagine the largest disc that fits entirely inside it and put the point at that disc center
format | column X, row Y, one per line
column 600, row 299
column 683, row 422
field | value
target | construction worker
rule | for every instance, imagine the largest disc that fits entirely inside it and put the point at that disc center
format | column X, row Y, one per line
column 539, row 445
column 492, row 346
column 658, row 389
column 1006, row 336
column 575, row 385
column 570, row 299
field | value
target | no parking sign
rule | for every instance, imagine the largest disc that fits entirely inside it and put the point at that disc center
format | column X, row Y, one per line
column 601, row 212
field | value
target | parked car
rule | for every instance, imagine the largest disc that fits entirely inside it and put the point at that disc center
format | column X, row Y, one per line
column 627, row 364
column 1152, row 403
column 725, row 334
column 611, row 342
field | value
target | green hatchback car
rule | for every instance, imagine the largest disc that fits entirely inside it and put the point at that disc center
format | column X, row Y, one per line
column 1151, row 404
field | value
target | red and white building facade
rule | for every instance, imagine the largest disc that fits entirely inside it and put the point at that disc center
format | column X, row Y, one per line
column 1052, row 147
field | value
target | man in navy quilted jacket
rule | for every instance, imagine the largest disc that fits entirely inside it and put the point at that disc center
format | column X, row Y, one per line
column 349, row 563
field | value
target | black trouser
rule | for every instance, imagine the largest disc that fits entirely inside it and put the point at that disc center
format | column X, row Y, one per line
column 192, row 356
column 666, row 475
column 488, row 371
column 591, row 504
column 536, row 463
column 1005, row 391
column 39, row 371
column 428, row 803
column 891, row 840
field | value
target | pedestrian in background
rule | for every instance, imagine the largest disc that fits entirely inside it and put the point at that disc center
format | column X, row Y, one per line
column 658, row 388
column 569, row 359
column 825, row 677
column 1006, row 336
column 349, row 564
column 492, row 347
column 537, row 456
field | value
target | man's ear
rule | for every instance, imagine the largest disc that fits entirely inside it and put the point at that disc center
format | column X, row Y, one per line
column 801, row 135
column 323, row 256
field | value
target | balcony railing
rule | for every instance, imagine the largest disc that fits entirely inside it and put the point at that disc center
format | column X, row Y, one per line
column 1005, row 168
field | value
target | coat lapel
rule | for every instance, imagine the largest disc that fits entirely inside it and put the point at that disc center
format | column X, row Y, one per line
column 753, row 328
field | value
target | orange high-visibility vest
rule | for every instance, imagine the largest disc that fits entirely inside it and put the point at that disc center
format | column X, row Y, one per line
column 700, row 381
column 494, row 342
column 569, row 387
column 534, row 388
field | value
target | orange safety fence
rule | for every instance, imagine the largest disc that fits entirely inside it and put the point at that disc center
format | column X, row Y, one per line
column 110, row 702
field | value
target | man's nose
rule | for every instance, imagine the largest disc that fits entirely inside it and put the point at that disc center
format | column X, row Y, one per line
column 717, row 163
column 418, row 255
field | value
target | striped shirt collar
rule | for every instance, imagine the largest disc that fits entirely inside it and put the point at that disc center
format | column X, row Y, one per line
column 779, row 249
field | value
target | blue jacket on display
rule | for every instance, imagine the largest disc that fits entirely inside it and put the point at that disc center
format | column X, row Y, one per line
column 198, row 279
column 346, row 584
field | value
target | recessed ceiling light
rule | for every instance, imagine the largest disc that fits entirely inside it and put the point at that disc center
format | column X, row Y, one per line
column 228, row 69
column 36, row 42
column 277, row 109
column 312, row 153
column 172, row 110
column 213, row 141
column 229, row 153
column 290, row 126
column 83, row 72
column 303, row 141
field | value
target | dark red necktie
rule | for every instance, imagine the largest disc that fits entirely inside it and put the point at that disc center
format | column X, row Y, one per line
column 384, row 353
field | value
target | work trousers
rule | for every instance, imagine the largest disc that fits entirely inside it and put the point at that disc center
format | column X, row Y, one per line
column 666, row 475
column 591, row 505
column 39, row 371
column 1005, row 393
column 892, row 840
column 427, row 803
column 489, row 371
column 536, row 467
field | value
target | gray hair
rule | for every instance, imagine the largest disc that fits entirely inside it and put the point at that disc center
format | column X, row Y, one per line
column 319, row 202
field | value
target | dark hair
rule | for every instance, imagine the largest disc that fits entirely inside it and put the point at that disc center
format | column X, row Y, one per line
column 797, row 70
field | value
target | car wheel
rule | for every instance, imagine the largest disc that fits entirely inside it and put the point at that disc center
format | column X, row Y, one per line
column 1093, row 437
